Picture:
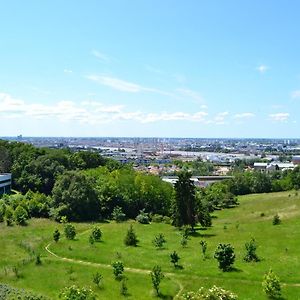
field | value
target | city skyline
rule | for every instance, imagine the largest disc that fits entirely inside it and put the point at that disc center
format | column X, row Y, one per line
column 150, row 69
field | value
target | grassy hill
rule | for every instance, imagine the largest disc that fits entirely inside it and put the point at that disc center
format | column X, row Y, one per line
column 75, row 262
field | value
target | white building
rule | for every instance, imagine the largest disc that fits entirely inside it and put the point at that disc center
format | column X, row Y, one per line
column 5, row 183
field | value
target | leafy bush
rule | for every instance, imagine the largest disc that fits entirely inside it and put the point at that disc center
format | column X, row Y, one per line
column 143, row 217
column 131, row 238
column 225, row 256
column 56, row 235
column 159, row 241
column 118, row 269
column 276, row 220
column 96, row 233
column 9, row 293
column 271, row 285
column 118, row 214
column 156, row 218
column 76, row 293
column 251, row 251
column 214, row 293
column 70, row 231
column 20, row 215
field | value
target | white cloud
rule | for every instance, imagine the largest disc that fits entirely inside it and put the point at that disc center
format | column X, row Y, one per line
column 246, row 115
column 101, row 56
column 295, row 94
column 68, row 71
column 262, row 68
column 279, row 117
column 219, row 119
column 191, row 94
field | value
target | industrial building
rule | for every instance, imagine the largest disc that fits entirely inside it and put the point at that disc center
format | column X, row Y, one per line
column 5, row 183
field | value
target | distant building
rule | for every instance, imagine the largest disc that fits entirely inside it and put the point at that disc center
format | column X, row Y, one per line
column 5, row 183
column 296, row 160
column 259, row 166
column 273, row 166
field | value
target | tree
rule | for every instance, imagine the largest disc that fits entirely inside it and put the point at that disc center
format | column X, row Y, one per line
column 184, row 210
column 74, row 193
column 91, row 239
column 251, row 251
column 20, row 215
column 124, row 288
column 118, row 214
column 225, row 256
column 56, row 235
column 76, row 293
column 96, row 233
column 156, row 277
column 70, row 231
column 159, row 241
column 276, row 220
column 174, row 258
column 97, row 279
column 203, row 245
column 118, row 269
column 271, row 285
column 131, row 238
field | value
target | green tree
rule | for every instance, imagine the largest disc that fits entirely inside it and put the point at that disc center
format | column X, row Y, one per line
column 276, row 220
column 9, row 216
column 20, row 215
column 118, row 269
column 251, row 251
column 118, row 214
column 156, row 277
column 271, row 285
column 56, row 235
column 97, row 279
column 91, row 239
column 184, row 208
column 159, row 241
column 174, row 258
column 225, row 256
column 131, row 238
column 96, row 233
column 203, row 245
column 70, row 231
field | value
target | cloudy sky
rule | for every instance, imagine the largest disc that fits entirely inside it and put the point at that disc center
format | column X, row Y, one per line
column 150, row 68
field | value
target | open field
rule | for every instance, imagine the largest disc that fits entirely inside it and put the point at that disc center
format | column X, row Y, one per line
column 278, row 249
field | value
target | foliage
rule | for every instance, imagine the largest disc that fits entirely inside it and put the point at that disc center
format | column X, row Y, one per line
column 143, row 217
column 159, row 241
column 225, row 256
column 38, row 260
column 118, row 269
column 156, row 277
column 96, row 233
column 76, row 293
column 174, row 258
column 9, row 216
column 214, row 293
column 271, row 285
column 118, row 214
column 124, row 288
column 56, row 235
column 276, row 220
column 184, row 206
column 97, row 279
column 203, row 245
column 251, row 251
column 70, row 231
column 131, row 238
column 91, row 239
column 20, row 215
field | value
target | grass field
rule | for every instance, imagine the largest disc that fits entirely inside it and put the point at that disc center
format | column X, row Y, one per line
column 278, row 249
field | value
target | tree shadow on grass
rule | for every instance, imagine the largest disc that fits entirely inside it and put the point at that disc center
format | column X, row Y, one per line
column 166, row 297
column 235, row 270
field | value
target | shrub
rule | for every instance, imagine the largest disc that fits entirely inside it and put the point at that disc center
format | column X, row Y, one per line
column 159, row 241
column 70, row 231
column 251, row 251
column 118, row 269
column 214, row 293
column 183, row 241
column 8, row 216
column 203, row 245
column 56, row 235
column 271, row 285
column 174, row 258
column 76, row 293
column 97, row 233
column 276, row 220
column 97, row 279
column 124, row 288
column 130, row 238
column 143, row 217
column 38, row 260
column 156, row 277
column 157, row 218
column 118, row 214
column 225, row 256
column 20, row 215
column 91, row 239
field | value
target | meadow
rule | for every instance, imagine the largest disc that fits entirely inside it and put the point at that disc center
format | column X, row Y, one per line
column 69, row 262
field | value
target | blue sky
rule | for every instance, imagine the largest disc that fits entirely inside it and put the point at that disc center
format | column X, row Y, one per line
column 150, row 68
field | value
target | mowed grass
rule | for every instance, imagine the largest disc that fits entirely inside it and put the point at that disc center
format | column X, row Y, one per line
column 278, row 248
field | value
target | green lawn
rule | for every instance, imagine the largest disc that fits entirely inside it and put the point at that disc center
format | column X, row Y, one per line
column 278, row 249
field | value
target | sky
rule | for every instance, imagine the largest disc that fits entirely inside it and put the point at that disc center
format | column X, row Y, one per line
column 184, row 68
